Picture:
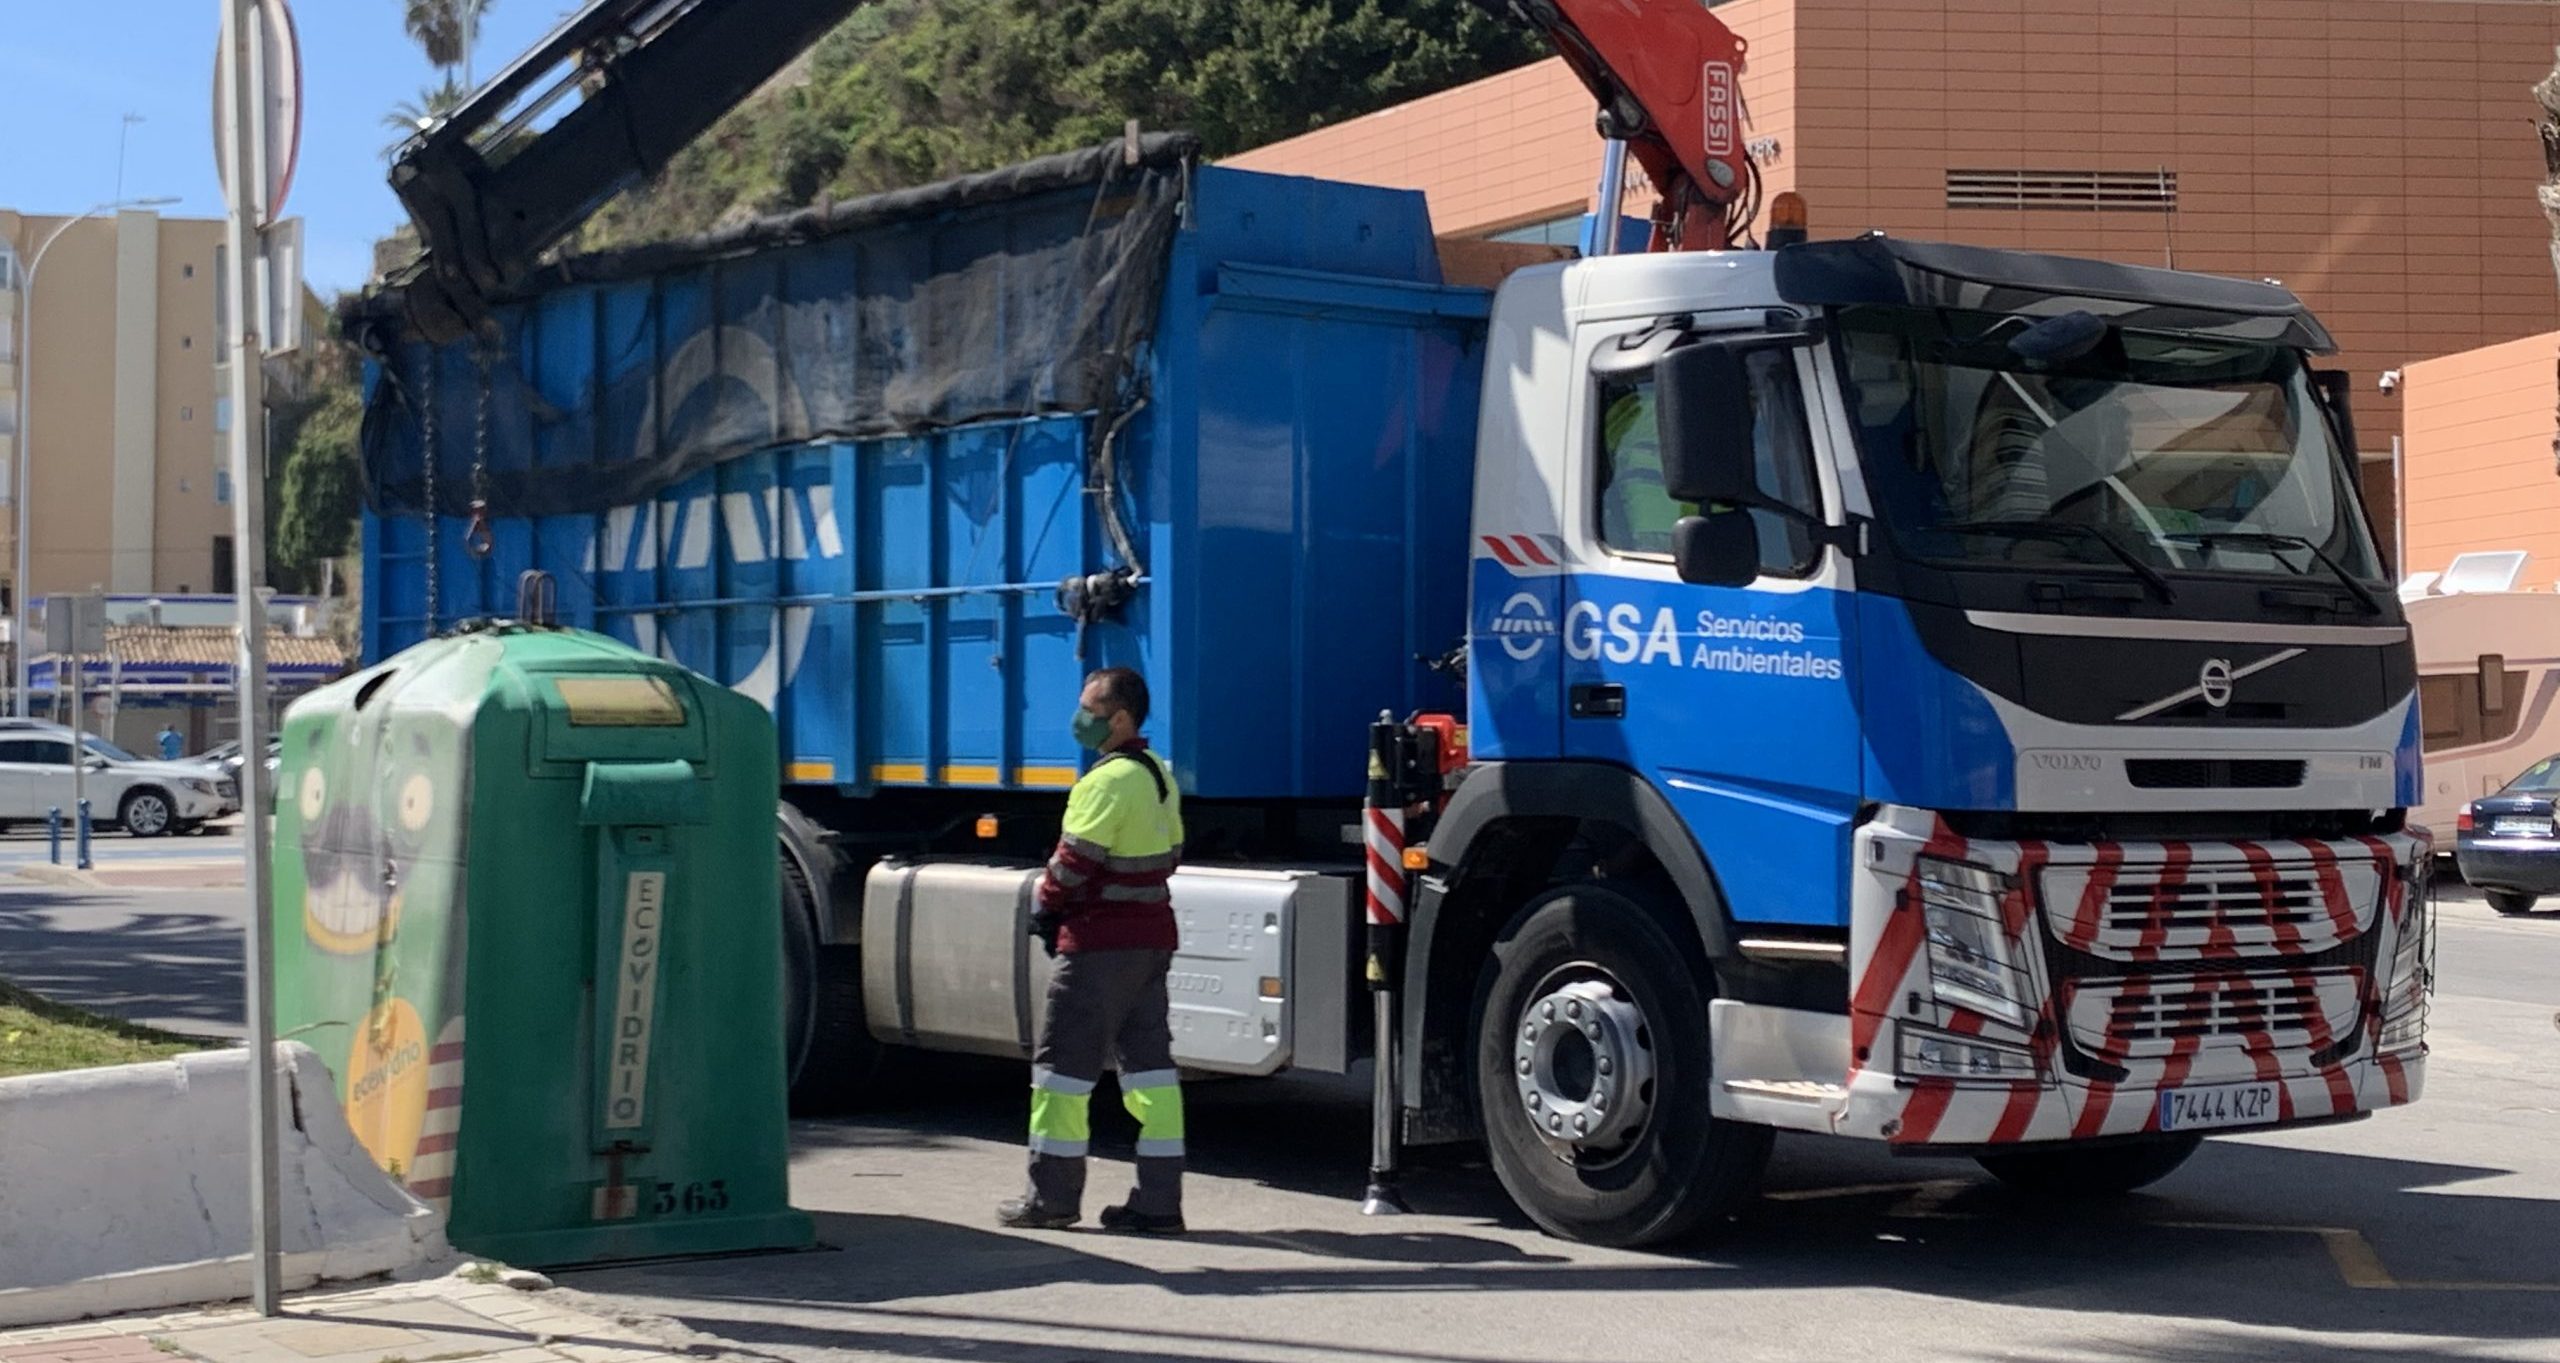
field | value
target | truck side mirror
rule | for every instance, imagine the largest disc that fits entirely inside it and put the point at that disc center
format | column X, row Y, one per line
column 1704, row 395
column 1719, row 550
column 2332, row 387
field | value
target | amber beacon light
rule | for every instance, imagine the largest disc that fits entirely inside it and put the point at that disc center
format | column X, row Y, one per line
column 1786, row 219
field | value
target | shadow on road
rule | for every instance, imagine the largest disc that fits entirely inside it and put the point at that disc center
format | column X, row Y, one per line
column 909, row 1288
column 116, row 954
column 2223, row 1252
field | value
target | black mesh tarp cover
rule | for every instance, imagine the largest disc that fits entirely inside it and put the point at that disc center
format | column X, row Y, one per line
column 1024, row 291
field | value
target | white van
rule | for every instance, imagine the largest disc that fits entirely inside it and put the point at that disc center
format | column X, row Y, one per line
column 2488, row 673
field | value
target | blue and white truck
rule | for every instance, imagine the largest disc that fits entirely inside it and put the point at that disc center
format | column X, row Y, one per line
column 1940, row 696
column 2011, row 761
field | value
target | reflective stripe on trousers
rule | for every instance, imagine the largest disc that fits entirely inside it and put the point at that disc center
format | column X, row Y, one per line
column 1061, row 1113
column 1154, row 1097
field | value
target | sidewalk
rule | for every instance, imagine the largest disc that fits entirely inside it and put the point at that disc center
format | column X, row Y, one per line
column 165, row 873
column 439, row 1320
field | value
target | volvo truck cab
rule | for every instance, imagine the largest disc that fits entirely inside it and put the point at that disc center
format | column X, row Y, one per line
column 1995, row 665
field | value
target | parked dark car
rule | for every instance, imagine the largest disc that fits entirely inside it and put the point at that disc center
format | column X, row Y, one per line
column 2508, row 844
column 226, row 755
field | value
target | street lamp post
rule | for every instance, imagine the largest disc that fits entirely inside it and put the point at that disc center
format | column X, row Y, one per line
column 25, row 464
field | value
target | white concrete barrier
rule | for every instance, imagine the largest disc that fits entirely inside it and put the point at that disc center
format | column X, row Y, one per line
column 127, row 1189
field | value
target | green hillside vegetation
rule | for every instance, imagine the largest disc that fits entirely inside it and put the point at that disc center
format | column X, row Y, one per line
column 910, row 91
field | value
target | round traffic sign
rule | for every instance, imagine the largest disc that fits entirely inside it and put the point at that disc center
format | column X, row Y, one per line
column 279, row 54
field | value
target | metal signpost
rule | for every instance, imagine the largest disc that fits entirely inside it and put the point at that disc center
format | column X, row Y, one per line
column 260, row 115
column 75, row 628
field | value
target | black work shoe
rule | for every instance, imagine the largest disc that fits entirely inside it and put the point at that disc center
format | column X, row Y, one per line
column 1131, row 1221
column 1022, row 1213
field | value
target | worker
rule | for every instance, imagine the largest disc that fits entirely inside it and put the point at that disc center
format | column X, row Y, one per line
column 1105, row 913
column 171, row 746
column 1636, row 514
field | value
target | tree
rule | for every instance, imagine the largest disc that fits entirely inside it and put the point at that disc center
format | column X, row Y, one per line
column 447, row 30
column 2546, row 94
column 410, row 117
column 323, row 487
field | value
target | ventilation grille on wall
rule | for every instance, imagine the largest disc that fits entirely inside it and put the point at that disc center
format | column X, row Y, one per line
column 2085, row 191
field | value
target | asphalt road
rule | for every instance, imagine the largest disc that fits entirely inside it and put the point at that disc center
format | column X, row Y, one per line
column 167, row 958
column 2427, row 1233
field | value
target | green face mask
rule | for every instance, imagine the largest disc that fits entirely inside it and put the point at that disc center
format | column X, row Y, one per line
column 1091, row 730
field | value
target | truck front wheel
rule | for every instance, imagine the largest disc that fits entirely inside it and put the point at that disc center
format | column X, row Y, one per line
column 1592, row 1075
column 2091, row 1171
column 828, row 1051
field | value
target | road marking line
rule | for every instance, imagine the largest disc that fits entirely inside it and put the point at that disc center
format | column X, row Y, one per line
column 1930, row 1200
column 1856, row 1190
column 2356, row 1261
column 2358, row 1264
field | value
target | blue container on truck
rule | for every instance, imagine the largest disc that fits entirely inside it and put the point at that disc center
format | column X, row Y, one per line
column 1290, row 452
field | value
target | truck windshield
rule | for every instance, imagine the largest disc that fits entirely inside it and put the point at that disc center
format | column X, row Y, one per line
column 2151, row 453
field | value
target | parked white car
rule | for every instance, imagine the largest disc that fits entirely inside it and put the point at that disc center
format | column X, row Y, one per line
column 147, row 799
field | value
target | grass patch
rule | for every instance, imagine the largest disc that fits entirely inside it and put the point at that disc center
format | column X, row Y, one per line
column 39, row 1036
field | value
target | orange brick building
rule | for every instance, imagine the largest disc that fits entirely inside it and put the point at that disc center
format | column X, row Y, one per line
column 2377, row 156
column 2479, row 464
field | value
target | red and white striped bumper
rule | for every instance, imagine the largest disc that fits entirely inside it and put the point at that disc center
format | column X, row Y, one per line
column 2139, row 968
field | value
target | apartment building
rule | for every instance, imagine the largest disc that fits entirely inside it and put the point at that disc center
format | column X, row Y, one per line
column 129, row 491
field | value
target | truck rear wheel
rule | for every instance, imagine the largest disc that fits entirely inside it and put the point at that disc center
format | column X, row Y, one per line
column 829, row 1055
column 2091, row 1171
column 1592, row 1064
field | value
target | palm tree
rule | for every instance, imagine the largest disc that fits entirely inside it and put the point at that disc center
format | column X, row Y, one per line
column 447, row 29
column 410, row 117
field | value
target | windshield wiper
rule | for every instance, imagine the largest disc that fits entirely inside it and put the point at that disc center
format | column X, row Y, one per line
column 2268, row 539
column 2071, row 530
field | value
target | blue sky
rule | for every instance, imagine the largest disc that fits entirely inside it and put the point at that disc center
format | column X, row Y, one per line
column 70, row 70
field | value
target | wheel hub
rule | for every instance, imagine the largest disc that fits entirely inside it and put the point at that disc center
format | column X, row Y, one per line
column 1583, row 1060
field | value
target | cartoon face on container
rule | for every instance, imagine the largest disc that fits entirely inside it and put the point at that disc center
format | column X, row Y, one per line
column 377, row 820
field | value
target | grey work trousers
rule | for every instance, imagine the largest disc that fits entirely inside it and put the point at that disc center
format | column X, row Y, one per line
column 1106, row 1005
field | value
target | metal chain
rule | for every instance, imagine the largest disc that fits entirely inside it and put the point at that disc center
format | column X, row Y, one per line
column 427, row 424
column 478, row 540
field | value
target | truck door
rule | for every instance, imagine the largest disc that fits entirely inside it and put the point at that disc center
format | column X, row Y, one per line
column 1734, row 703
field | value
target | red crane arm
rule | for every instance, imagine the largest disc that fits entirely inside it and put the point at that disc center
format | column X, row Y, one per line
column 1668, row 77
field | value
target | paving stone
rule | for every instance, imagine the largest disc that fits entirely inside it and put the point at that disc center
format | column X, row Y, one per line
column 97, row 1349
column 447, row 1320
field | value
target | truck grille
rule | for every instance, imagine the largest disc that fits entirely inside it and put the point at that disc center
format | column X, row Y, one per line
column 2212, row 909
column 2146, row 1017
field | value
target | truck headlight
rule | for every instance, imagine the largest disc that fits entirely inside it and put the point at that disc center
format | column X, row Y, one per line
column 1926, row 1053
column 1969, row 961
column 2412, row 977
